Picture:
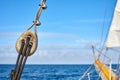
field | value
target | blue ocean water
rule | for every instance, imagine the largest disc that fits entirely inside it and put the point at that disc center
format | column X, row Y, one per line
column 49, row 72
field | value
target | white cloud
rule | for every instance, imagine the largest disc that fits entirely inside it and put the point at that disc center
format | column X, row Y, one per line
column 62, row 56
column 40, row 34
column 76, row 21
column 52, row 56
column 47, row 56
column 9, row 34
column 70, row 52
column 92, row 20
column 55, row 35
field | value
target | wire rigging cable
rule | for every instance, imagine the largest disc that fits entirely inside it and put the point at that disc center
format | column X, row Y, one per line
column 104, row 20
column 103, row 41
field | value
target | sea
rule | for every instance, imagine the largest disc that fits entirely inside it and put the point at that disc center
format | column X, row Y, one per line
column 51, row 72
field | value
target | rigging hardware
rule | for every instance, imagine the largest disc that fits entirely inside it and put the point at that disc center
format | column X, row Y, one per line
column 26, row 45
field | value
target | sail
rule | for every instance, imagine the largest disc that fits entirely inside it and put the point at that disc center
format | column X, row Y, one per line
column 113, row 39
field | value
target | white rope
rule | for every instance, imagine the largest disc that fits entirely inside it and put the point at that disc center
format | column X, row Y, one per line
column 86, row 72
column 105, row 11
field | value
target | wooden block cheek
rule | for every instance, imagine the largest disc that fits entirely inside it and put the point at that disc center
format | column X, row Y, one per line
column 32, row 38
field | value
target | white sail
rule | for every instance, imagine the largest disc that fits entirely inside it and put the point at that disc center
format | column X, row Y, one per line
column 113, row 39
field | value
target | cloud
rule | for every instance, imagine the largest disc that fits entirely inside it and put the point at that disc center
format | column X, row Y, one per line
column 56, row 55
column 9, row 34
column 40, row 34
column 51, row 55
column 76, row 21
column 73, row 56
column 65, row 52
column 7, row 49
column 8, row 54
column 92, row 20
column 55, row 35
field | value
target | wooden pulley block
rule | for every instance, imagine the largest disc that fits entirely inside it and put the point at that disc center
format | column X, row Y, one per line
column 33, row 40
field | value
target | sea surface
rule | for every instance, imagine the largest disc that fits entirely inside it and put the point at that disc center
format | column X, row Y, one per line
column 50, row 72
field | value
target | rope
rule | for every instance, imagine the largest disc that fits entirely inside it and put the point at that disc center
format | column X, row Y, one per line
column 26, row 46
column 105, row 54
column 105, row 11
column 86, row 72
column 36, row 21
column 102, row 53
column 108, row 29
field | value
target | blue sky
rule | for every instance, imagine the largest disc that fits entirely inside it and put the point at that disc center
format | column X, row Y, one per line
column 69, row 28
